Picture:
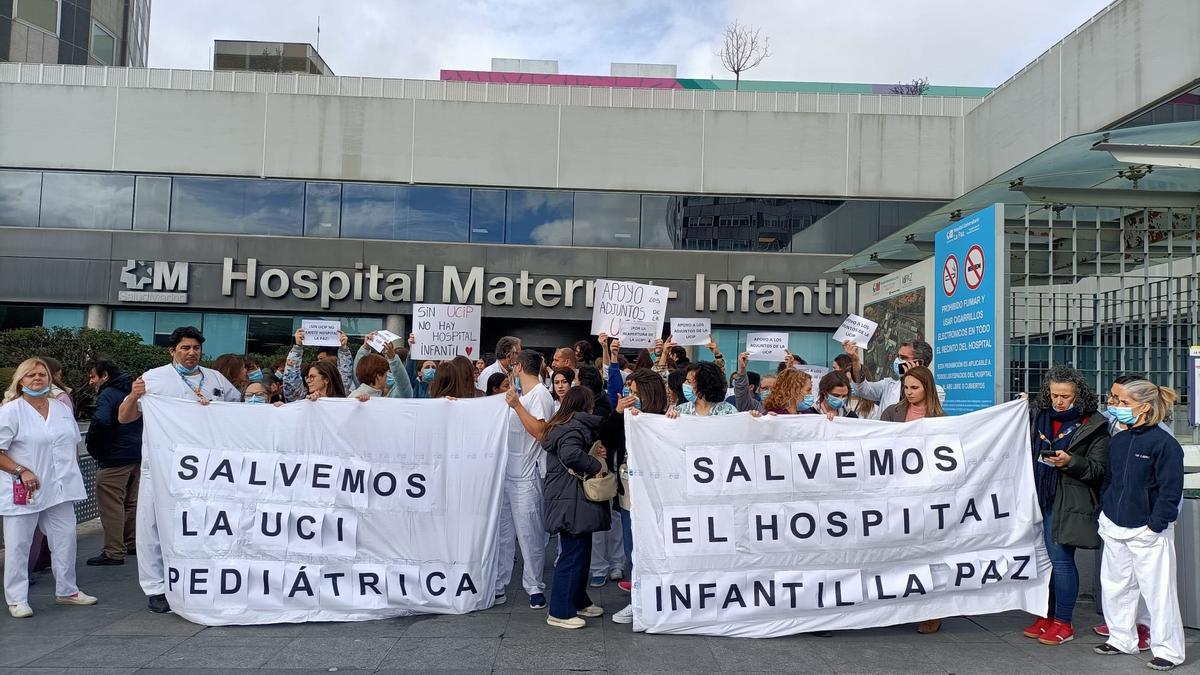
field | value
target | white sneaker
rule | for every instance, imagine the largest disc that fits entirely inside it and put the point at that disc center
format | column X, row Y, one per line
column 616, row 575
column 500, row 600
column 573, row 622
column 624, row 616
column 79, row 598
column 591, row 611
column 21, row 610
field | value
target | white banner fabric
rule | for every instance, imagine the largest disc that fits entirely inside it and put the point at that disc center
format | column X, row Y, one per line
column 761, row 527
column 333, row 510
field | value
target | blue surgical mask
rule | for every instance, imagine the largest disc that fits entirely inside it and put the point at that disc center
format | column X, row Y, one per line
column 764, row 393
column 1122, row 414
column 898, row 365
column 391, row 380
column 625, row 393
column 637, row 403
column 835, row 402
column 427, row 376
column 256, row 398
column 179, row 368
column 688, row 393
column 279, row 375
column 809, row 401
column 36, row 393
column 255, row 376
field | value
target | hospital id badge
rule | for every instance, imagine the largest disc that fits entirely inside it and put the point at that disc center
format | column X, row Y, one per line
column 20, row 494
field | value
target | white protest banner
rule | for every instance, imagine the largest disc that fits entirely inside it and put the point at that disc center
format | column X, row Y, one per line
column 688, row 332
column 762, row 527
column 445, row 331
column 381, row 340
column 856, row 328
column 333, row 510
column 767, row 345
column 321, row 333
column 630, row 311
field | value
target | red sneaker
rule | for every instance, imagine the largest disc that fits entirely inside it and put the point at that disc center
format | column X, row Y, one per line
column 1058, row 633
column 625, row 585
column 1038, row 628
column 1143, row 637
column 1101, row 630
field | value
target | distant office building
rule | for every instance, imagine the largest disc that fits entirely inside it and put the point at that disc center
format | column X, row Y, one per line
column 75, row 32
column 268, row 57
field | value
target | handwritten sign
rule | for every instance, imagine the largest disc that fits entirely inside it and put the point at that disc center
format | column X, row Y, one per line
column 630, row 311
column 856, row 328
column 767, row 345
column 381, row 340
column 320, row 333
column 687, row 332
column 445, row 331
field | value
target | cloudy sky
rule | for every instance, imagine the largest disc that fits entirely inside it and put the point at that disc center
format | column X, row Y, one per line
column 952, row 42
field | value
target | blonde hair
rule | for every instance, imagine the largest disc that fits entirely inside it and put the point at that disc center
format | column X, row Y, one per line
column 1160, row 399
column 14, row 387
column 787, row 390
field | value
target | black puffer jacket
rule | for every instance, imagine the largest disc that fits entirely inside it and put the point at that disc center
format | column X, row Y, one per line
column 1077, row 498
column 566, row 509
column 111, row 443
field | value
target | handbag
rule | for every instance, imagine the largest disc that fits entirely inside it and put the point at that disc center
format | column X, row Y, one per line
column 598, row 488
column 623, row 501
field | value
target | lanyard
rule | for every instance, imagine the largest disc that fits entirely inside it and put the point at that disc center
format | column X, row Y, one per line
column 1066, row 431
column 198, row 390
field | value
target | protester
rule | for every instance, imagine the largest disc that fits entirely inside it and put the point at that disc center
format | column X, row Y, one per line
column 480, row 365
column 323, row 380
column 589, row 377
column 1140, row 501
column 183, row 378
column 833, row 393
column 274, row 381
column 38, row 437
column 507, row 349
column 567, row 438
column 608, row 557
column 886, row 392
column 746, row 385
column 497, row 384
column 454, row 379
column 256, row 393
column 421, row 378
column 561, row 381
column 59, row 390
column 375, row 377
column 521, row 506
column 398, row 383
column 864, row 408
column 254, row 371
column 584, row 353
column 1070, row 458
column 233, row 367
column 917, row 403
column 703, row 392
column 564, row 358
column 117, row 449
column 294, row 380
column 792, row 393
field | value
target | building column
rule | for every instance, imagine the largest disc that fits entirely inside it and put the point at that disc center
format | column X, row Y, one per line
column 97, row 317
column 395, row 323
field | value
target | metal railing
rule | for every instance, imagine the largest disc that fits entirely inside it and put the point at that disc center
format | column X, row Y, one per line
column 486, row 92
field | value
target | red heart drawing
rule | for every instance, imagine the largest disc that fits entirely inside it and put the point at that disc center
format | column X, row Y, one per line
column 468, row 350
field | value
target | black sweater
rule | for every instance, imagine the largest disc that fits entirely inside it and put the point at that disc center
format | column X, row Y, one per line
column 1144, row 483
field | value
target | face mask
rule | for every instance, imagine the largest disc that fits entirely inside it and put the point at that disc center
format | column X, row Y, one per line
column 255, row 376
column 36, row 393
column 427, row 376
column 688, row 393
column 625, row 393
column 899, row 365
column 179, row 368
column 391, row 380
column 764, row 393
column 835, row 402
column 256, row 398
column 279, row 375
column 637, row 403
column 808, row 401
column 1122, row 414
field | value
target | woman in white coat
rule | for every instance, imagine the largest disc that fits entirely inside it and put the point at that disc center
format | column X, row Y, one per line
column 39, row 481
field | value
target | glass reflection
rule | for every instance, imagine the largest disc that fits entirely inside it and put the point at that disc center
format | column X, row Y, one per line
column 437, row 214
column 87, row 201
column 237, row 206
column 606, row 219
column 152, row 204
column 20, row 194
column 657, row 222
column 322, row 210
column 487, row 216
column 539, row 217
column 368, row 211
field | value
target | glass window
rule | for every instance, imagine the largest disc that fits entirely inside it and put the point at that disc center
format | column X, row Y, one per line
column 104, row 45
column 152, row 203
column 268, row 334
column 141, row 323
column 63, row 317
column 539, row 217
column 41, row 13
column 437, row 213
column 237, row 206
column 369, row 211
column 487, row 216
column 606, row 219
column 224, row 334
column 322, row 209
column 20, row 194
column 657, row 222
column 166, row 322
column 87, row 201
column 19, row 316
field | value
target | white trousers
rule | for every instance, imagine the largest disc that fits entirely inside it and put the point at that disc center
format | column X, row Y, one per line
column 58, row 522
column 608, row 550
column 152, row 574
column 520, row 523
column 1144, row 567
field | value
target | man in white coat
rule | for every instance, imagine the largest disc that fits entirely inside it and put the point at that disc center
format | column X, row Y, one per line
column 887, row 391
column 182, row 378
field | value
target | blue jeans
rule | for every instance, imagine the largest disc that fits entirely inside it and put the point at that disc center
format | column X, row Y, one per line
column 627, row 535
column 568, row 594
column 1064, row 575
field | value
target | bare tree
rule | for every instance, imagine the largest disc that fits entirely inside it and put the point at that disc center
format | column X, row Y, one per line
column 917, row 87
column 742, row 50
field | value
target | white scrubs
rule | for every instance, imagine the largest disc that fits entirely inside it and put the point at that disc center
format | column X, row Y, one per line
column 47, row 447
column 608, row 550
column 166, row 381
column 521, row 520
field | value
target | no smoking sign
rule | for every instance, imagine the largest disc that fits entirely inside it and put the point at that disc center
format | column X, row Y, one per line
column 975, row 267
column 950, row 276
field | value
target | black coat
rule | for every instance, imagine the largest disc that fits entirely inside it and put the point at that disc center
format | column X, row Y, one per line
column 566, row 509
column 1077, row 497
column 111, row 443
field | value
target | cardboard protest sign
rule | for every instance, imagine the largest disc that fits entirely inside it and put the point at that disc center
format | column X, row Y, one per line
column 445, row 331
column 767, row 346
column 630, row 311
column 856, row 328
column 321, row 333
column 688, row 332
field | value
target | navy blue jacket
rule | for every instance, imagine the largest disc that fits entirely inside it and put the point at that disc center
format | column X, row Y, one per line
column 111, row 443
column 1144, row 483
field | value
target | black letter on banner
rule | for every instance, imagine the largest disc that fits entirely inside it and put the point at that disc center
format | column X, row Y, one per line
column 845, row 462
column 881, row 461
column 197, row 582
column 172, row 577
column 764, row 593
column 678, row 528
column 300, row 530
column 223, row 469
column 965, row 571
column 278, row 524
column 403, row 584
column 812, row 525
column 991, row 573
column 368, row 580
column 914, row 586
column 946, row 459
column 283, row 473
column 732, row 596
column 416, row 483
column 705, row 469
column 465, row 585
column 266, row 582
column 810, row 471
column 996, row 512
column 301, row 584
column 837, row 519
column 254, row 474
column 707, row 591
column 333, row 578
column 188, row 464
column 837, row 595
column 879, row 587
column 971, row 511
column 760, row 527
column 354, row 480
column 237, row 581
column 738, row 468
column 221, row 522
column 380, row 491
column 767, row 470
column 712, row 531
column 321, row 472
column 919, row 464
column 871, row 519
column 684, row 599
column 186, row 531
column 941, row 511
column 793, row 587
column 1018, row 575
column 429, row 583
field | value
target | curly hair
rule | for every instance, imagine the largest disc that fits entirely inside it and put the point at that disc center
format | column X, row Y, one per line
column 1085, row 397
column 710, row 381
column 788, row 390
